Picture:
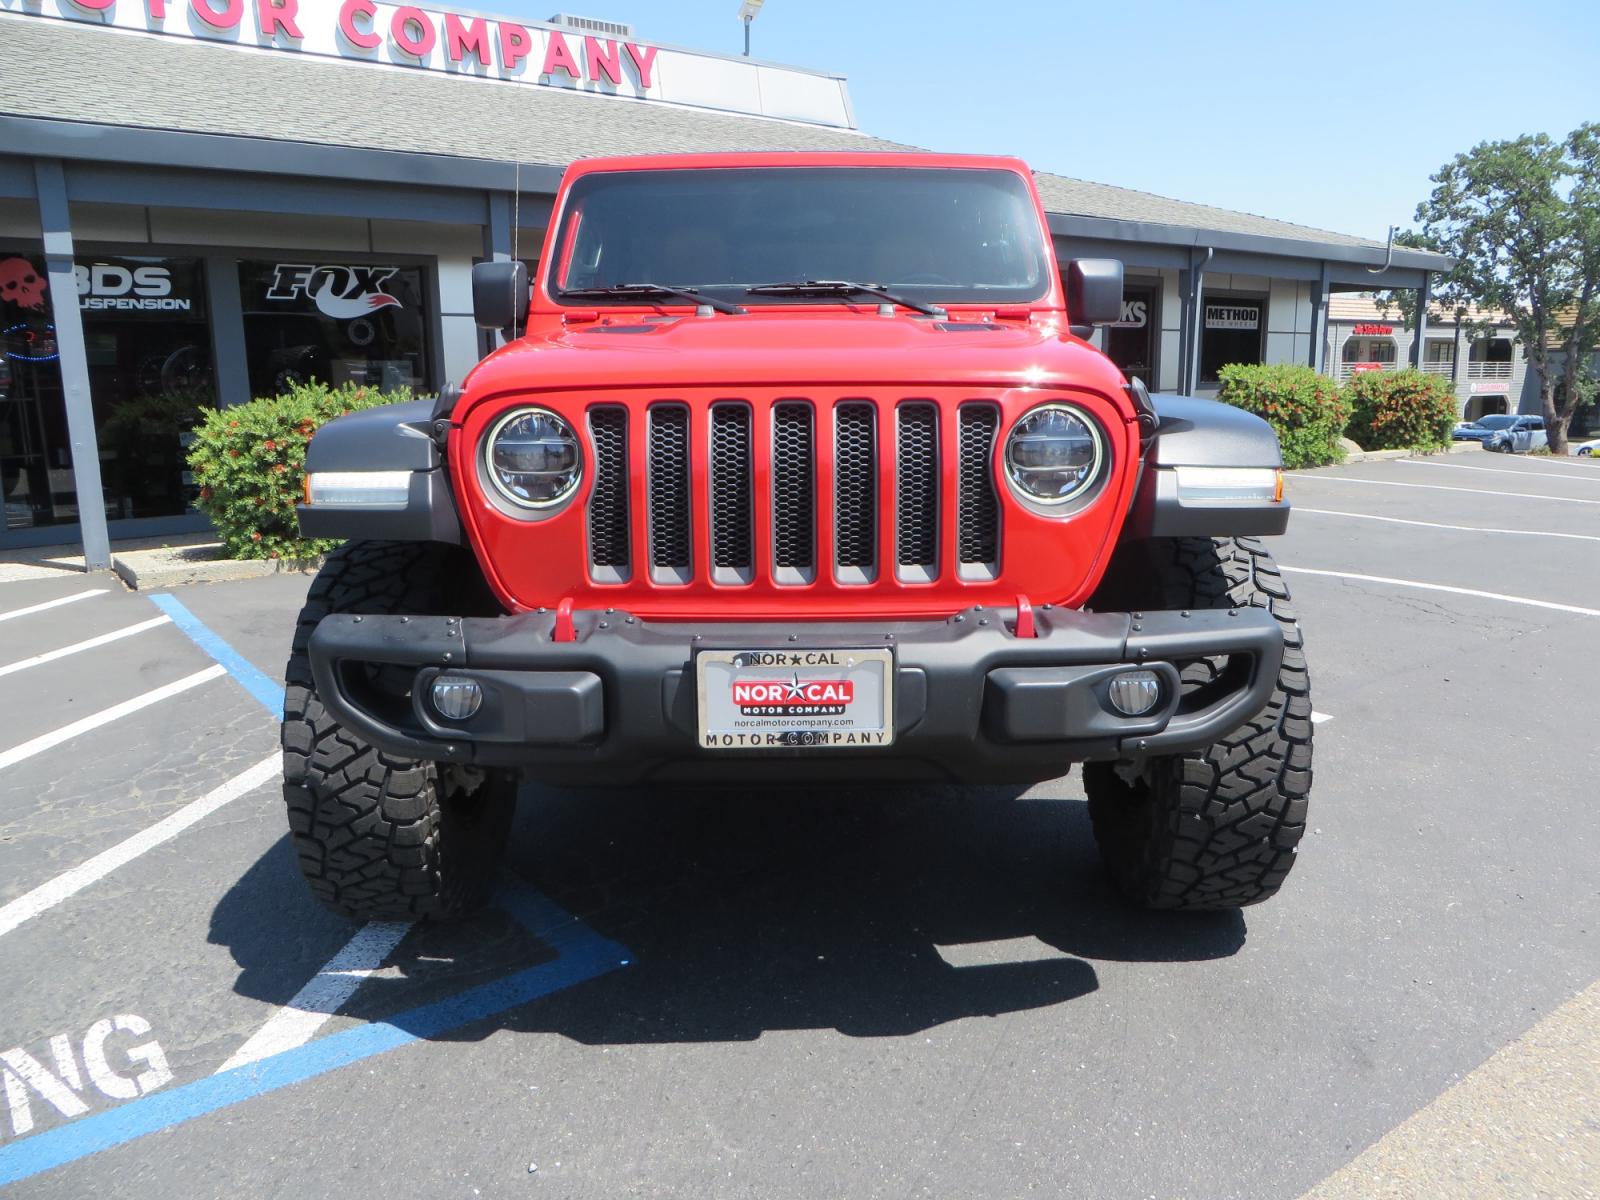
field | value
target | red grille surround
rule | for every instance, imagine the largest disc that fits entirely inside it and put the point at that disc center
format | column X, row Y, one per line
column 858, row 545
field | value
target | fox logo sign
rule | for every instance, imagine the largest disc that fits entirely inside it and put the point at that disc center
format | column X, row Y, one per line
column 340, row 292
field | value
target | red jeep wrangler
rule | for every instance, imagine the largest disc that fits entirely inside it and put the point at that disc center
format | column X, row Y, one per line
column 795, row 467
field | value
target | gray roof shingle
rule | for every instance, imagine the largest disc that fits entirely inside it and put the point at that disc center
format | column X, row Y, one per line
column 156, row 82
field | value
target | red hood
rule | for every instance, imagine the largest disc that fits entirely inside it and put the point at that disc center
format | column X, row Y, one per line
column 626, row 349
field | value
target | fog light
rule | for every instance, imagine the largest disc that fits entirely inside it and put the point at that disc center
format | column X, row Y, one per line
column 456, row 698
column 1134, row 693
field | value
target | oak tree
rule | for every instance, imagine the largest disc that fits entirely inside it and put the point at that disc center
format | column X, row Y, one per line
column 1522, row 220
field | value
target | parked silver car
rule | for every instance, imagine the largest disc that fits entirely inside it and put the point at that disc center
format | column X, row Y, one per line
column 1518, row 437
column 1477, row 431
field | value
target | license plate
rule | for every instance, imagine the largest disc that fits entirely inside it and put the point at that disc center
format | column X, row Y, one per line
column 795, row 699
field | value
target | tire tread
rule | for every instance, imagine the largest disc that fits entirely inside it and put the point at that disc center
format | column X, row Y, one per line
column 1218, row 828
column 368, row 827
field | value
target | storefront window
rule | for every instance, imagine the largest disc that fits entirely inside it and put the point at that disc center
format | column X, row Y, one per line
column 1379, row 350
column 339, row 323
column 1232, row 334
column 35, row 454
column 149, row 360
column 1130, row 343
column 148, row 342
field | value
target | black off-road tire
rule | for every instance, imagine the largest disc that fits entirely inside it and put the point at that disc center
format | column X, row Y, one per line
column 1215, row 828
column 380, row 836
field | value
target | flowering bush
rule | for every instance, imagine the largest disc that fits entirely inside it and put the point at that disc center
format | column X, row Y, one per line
column 249, row 461
column 1401, row 410
column 1305, row 409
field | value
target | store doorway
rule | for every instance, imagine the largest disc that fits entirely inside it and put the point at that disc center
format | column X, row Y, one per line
column 1131, row 342
column 35, row 451
column 1485, row 406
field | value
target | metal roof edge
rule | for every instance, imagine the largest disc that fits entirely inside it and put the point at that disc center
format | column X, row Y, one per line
column 1112, row 229
column 42, row 137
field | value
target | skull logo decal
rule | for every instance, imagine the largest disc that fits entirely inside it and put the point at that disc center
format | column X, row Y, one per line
column 21, row 284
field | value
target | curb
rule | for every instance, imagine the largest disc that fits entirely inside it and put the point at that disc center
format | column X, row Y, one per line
column 148, row 570
column 1354, row 454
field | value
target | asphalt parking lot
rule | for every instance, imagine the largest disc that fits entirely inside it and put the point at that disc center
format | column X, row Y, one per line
column 872, row 993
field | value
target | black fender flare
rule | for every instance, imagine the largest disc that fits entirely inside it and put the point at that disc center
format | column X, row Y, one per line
column 392, row 437
column 1193, row 432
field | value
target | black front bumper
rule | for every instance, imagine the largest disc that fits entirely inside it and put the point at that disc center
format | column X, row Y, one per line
column 972, row 701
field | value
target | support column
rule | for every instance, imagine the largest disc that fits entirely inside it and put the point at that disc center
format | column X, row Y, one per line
column 496, row 248
column 225, row 311
column 1424, row 298
column 1191, row 289
column 1319, row 323
column 56, row 222
column 497, row 233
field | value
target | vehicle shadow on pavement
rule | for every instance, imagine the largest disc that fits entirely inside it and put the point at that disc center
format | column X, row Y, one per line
column 876, row 912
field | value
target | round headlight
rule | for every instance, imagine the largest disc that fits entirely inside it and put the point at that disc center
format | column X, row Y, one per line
column 1053, row 454
column 533, row 459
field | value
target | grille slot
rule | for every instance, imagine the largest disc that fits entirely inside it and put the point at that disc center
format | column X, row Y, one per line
column 667, row 462
column 732, row 490
column 794, row 493
column 855, row 492
column 977, row 506
column 609, row 557
column 916, row 500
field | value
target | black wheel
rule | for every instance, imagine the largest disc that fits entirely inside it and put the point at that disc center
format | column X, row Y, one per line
column 1215, row 828
column 380, row 836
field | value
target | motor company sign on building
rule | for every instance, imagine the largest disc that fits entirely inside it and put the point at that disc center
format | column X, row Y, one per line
column 474, row 45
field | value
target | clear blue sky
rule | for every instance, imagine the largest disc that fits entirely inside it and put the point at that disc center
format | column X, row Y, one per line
column 1332, row 115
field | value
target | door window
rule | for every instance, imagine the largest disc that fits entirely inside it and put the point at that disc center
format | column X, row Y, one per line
column 35, row 452
column 148, row 343
column 1130, row 342
column 1232, row 333
column 362, row 323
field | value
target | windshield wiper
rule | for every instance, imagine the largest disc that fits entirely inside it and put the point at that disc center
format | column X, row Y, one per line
column 623, row 290
column 840, row 287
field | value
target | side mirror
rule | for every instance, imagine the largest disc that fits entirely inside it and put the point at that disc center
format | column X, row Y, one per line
column 1094, row 291
column 500, row 296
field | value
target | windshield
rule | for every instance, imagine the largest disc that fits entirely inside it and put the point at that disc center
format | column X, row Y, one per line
column 1496, row 422
column 932, row 234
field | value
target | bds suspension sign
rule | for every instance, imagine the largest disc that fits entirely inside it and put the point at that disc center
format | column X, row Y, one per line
column 437, row 39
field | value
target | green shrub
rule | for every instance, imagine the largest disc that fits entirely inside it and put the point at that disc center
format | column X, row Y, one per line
column 1304, row 408
column 1401, row 410
column 249, row 461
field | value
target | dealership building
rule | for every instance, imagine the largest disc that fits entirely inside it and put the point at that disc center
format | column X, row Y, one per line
column 203, row 201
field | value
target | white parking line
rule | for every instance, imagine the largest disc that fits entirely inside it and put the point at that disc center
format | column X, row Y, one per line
column 1532, row 472
column 1437, row 487
column 1443, row 587
column 106, row 715
column 56, row 603
column 1333, row 512
column 89, row 644
column 313, row 1005
column 48, row 895
column 1317, row 718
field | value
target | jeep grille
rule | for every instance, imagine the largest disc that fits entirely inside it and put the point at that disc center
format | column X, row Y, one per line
column 765, row 492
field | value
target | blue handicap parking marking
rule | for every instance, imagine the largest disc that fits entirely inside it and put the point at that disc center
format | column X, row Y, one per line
column 248, row 676
column 581, row 955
